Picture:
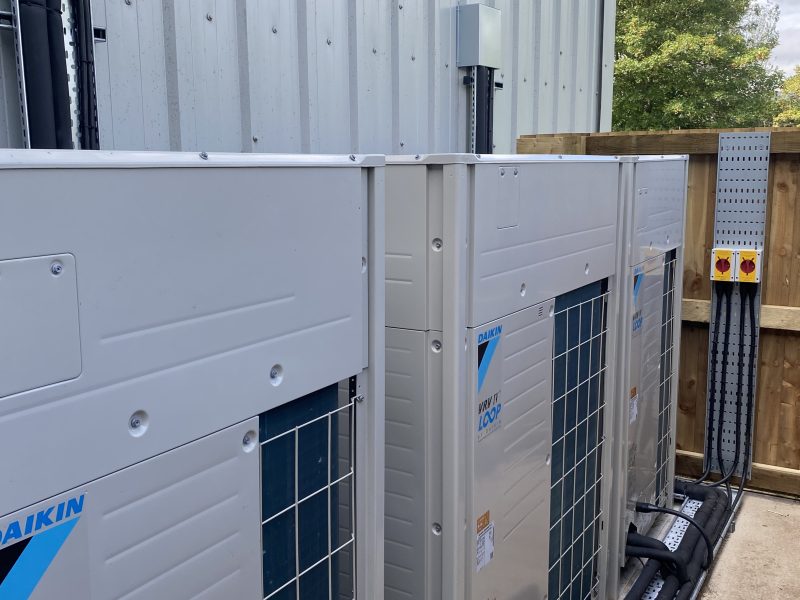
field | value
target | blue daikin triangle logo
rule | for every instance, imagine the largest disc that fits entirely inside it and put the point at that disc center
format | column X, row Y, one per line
column 487, row 344
column 24, row 558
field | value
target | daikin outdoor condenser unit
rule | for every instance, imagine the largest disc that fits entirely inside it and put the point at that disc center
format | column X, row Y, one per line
column 651, row 267
column 191, row 376
column 499, row 271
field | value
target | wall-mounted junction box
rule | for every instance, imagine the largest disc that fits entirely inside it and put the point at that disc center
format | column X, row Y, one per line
column 479, row 36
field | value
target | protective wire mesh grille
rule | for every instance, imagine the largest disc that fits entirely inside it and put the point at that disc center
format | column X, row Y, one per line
column 307, row 485
column 666, row 382
column 579, row 364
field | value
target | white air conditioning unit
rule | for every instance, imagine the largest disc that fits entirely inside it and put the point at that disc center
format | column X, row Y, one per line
column 500, row 273
column 175, row 330
column 651, row 264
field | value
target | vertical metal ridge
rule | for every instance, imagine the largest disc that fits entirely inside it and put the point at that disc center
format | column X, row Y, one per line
column 352, row 64
column 245, row 90
column 176, row 141
column 303, row 75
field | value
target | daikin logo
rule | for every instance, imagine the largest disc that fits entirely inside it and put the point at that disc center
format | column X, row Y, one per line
column 487, row 344
column 488, row 335
column 30, row 544
column 41, row 519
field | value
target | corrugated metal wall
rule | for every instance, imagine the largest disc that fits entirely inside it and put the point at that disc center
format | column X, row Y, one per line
column 335, row 75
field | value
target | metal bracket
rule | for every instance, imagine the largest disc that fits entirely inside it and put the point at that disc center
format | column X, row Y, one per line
column 23, row 96
column 352, row 391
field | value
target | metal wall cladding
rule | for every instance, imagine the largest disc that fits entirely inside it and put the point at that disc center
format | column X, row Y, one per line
column 322, row 76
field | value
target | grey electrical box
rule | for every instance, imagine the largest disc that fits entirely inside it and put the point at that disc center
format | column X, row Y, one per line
column 479, row 36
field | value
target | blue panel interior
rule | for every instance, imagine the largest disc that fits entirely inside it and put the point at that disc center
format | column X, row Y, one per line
column 310, row 524
column 577, row 411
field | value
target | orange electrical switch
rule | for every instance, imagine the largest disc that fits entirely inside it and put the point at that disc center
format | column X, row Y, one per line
column 749, row 266
column 723, row 264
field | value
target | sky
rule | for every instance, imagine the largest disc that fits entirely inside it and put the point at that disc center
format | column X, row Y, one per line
column 787, row 54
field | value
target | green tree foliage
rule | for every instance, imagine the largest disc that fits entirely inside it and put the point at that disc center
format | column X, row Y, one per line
column 789, row 102
column 694, row 64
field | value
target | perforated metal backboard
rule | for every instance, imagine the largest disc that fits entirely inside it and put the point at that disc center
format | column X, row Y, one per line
column 739, row 222
column 742, row 178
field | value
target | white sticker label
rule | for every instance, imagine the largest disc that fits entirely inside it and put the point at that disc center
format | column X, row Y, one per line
column 634, row 408
column 485, row 548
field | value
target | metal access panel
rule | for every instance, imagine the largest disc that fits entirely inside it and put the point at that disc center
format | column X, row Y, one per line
column 739, row 223
column 510, row 404
column 182, row 524
column 537, row 224
column 178, row 294
column 653, row 200
column 644, row 386
column 478, row 251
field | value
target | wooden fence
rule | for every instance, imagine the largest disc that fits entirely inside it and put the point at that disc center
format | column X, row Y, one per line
column 776, row 450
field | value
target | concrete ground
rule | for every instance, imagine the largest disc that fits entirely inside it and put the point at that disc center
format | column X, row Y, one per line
column 761, row 559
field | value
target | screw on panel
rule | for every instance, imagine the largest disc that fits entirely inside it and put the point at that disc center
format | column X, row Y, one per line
column 136, row 422
column 436, row 529
column 516, row 171
column 353, row 157
column 502, row 172
column 204, row 155
column 436, row 346
column 255, row 138
column 274, row 30
column 416, row 157
column 276, row 375
column 209, row 18
column 437, row 244
column 56, row 268
column 328, row 41
column 128, row 2
column 374, row 50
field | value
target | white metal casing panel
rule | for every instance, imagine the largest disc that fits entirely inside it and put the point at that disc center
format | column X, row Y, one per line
column 659, row 188
column 563, row 236
column 182, row 524
column 194, row 278
column 540, row 226
column 39, row 322
column 414, row 464
column 414, row 244
column 644, row 326
column 321, row 76
column 510, row 425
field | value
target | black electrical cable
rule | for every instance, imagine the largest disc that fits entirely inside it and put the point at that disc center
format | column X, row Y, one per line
column 712, row 391
column 750, row 292
column 739, row 376
column 644, row 507
column 724, row 377
column 86, row 87
column 58, row 60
